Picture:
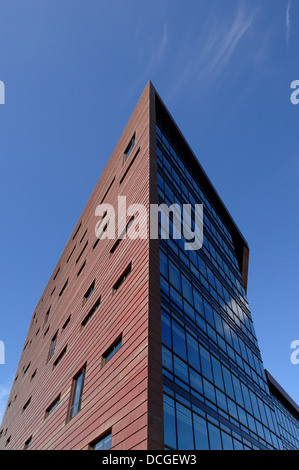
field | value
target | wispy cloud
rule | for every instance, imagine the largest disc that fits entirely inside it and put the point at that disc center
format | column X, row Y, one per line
column 211, row 55
column 288, row 22
column 4, row 394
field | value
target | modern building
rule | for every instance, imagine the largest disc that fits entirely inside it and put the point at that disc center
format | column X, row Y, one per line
column 140, row 343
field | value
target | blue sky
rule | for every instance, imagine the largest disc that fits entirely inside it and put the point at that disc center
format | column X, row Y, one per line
column 73, row 72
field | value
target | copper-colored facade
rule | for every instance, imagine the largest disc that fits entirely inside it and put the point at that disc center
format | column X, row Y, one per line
column 124, row 395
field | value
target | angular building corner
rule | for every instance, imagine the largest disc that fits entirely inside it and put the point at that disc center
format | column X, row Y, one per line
column 137, row 343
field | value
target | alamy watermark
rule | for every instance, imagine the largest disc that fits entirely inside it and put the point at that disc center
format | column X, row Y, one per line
column 295, row 94
column 2, row 353
column 2, row 92
column 136, row 221
column 295, row 354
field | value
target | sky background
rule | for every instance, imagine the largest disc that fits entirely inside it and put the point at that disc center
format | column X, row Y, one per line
column 74, row 71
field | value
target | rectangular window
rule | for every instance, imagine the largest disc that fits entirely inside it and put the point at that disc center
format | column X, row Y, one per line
column 53, row 405
column 28, row 443
column 122, row 278
column 129, row 148
column 89, row 292
column 47, row 315
column 82, row 252
column 62, row 290
column 112, row 350
column 102, row 443
column 81, row 269
column 107, row 191
column 91, row 312
column 52, row 346
column 122, row 235
column 27, row 404
column 77, row 392
column 59, row 358
column 83, row 235
column 71, row 254
column 55, row 276
column 75, row 234
column 66, row 323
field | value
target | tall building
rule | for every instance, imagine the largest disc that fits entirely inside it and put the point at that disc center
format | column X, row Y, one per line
column 140, row 343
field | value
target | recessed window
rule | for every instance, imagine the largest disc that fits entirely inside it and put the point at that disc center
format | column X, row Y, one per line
column 52, row 347
column 55, row 276
column 75, row 234
column 89, row 292
column 129, row 148
column 83, row 235
column 47, row 315
column 122, row 278
column 102, row 443
column 27, row 404
column 63, row 289
column 91, row 312
column 28, row 443
column 33, row 375
column 122, row 235
column 81, row 269
column 53, row 405
column 25, row 370
column 71, row 254
column 59, row 358
column 108, row 189
column 77, row 392
column 81, row 253
column 112, row 350
column 8, row 440
column 66, row 323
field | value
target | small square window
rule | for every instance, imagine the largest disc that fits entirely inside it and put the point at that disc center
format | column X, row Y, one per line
column 112, row 350
column 129, row 148
column 103, row 443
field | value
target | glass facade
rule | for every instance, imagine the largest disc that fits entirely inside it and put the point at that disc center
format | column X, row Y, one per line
column 216, row 394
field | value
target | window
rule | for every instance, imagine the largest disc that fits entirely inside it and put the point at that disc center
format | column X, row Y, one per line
column 59, row 358
column 122, row 235
column 75, row 234
column 53, row 405
column 81, row 269
column 66, row 323
column 103, row 443
column 56, row 274
column 33, row 375
column 28, row 443
column 62, row 290
column 27, row 404
column 82, row 252
column 47, row 315
column 123, row 277
column 89, row 292
column 112, row 350
column 91, row 312
column 83, row 235
column 52, row 347
column 71, row 254
column 25, row 370
column 109, row 187
column 129, row 148
column 77, row 391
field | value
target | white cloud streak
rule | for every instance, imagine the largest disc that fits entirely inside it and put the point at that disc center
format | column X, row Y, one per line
column 288, row 22
column 214, row 49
